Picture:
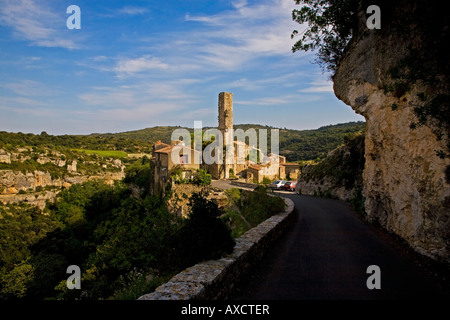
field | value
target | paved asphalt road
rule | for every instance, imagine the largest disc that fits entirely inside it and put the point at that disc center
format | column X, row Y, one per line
column 324, row 255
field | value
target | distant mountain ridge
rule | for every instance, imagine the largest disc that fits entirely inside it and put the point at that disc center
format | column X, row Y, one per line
column 296, row 145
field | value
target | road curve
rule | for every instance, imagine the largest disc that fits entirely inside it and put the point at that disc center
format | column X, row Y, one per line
column 324, row 255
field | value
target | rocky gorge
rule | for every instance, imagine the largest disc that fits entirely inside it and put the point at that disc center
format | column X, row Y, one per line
column 34, row 178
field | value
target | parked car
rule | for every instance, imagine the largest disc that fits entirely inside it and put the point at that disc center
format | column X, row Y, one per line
column 290, row 185
column 277, row 185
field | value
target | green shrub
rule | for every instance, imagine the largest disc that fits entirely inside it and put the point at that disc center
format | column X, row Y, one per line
column 139, row 285
column 257, row 205
column 204, row 236
column 345, row 165
column 140, row 174
column 202, row 178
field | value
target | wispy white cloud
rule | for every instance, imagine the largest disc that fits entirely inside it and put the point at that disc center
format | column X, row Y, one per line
column 239, row 3
column 142, row 66
column 148, row 102
column 144, row 63
column 168, row 90
column 288, row 100
column 244, row 83
column 36, row 22
column 142, row 94
column 316, row 89
column 238, row 36
column 137, row 112
column 109, row 99
column 132, row 11
column 17, row 104
column 99, row 58
column 197, row 114
column 285, row 80
column 124, row 11
column 226, row 41
column 267, row 101
column 28, row 88
column 318, row 86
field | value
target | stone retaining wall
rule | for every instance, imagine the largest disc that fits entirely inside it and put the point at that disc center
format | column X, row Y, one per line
column 216, row 279
column 243, row 184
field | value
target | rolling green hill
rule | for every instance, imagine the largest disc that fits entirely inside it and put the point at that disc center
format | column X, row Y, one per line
column 296, row 145
column 315, row 144
column 9, row 141
column 147, row 135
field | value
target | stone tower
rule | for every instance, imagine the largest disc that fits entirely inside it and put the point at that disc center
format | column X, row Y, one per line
column 226, row 125
column 225, row 114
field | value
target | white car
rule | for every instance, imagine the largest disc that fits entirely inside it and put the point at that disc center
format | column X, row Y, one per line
column 277, row 185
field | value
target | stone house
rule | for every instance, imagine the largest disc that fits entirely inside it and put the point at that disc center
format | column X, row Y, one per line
column 271, row 168
column 291, row 171
column 177, row 154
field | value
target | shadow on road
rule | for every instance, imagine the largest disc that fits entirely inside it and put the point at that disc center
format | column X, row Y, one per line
column 325, row 254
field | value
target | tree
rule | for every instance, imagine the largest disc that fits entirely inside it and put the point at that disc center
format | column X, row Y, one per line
column 331, row 25
column 109, row 232
column 15, row 282
column 140, row 175
column 204, row 236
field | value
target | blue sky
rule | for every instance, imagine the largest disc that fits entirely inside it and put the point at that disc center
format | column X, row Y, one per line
column 139, row 64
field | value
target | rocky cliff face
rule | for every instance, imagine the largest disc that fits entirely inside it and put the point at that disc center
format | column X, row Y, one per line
column 29, row 170
column 12, row 182
column 392, row 77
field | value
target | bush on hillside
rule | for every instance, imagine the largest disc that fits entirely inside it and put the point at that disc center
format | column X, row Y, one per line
column 204, row 236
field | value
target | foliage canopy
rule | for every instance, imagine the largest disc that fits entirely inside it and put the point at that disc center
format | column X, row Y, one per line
column 330, row 26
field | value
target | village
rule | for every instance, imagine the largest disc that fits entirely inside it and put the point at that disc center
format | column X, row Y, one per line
column 228, row 157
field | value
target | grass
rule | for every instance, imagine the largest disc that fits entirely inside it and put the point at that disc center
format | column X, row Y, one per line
column 139, row 286
column 247, row 209
column 104, row 153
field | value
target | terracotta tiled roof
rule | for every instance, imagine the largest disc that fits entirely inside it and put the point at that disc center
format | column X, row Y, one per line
column 255, row 166
column 160, row 145
column 169, row 149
